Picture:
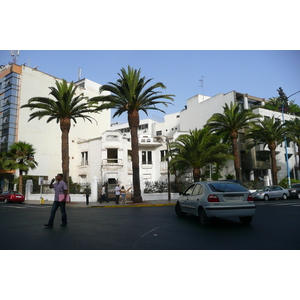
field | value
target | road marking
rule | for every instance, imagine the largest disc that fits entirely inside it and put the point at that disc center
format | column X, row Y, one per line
column 278, row 204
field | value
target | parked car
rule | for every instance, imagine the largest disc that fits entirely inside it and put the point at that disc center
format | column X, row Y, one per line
column 271, row 192
column 295, row 191
column 12, row 196
column 218, row 199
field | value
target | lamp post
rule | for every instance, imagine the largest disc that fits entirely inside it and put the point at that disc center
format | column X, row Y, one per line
column 168, row 164
column 284, row 101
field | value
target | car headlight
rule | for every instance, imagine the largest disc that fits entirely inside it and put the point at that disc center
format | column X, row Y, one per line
column 293, row 191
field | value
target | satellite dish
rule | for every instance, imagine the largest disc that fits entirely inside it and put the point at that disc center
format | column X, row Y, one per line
column 14, row 54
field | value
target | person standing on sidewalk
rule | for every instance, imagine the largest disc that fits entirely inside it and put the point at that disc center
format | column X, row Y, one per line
column 103, row 194
column 123, row 193
column 117, row 193
column 87, row 192
column 60, row 188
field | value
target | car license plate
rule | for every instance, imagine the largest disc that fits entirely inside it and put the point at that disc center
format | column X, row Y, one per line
column 18, row 197
column 233, row 198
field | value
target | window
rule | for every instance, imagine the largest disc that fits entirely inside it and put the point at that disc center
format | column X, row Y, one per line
column 198, row 189
column 84, row 158
column 163, row 153
column 147, row 157
column 143, row 126
column 112, row 156
column 159, row 132
column 263, row 156
column 129, row 155
column 189, row 190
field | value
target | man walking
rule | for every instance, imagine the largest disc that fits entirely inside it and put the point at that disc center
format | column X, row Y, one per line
column 60, row 198
column 103, row 194
column 117, row 193
column 87, row 192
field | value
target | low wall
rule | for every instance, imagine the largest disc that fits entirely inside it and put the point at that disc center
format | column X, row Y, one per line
column 50, row 197
column 81, row 197
column 159, row 196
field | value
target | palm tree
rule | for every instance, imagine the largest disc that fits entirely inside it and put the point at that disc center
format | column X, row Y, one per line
column 130, row 95
column 197, row 149
column 269, row 132
column 228, row 125
column 20, row 156
column 66, row 107
column 293, row 133
column 273, row 103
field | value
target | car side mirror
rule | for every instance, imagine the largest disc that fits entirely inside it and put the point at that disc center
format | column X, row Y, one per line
column 180, row 193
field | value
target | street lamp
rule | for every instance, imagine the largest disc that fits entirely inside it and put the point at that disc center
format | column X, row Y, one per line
column 168, row 164
column 284, row 101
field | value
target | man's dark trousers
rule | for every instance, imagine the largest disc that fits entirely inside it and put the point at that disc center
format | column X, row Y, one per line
column 55, row 206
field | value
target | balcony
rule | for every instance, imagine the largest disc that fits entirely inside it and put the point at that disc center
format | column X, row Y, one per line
column 148, row 142
column 112, row 162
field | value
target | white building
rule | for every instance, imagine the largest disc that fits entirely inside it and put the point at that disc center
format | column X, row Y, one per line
column 17, row 85
column 103, row 151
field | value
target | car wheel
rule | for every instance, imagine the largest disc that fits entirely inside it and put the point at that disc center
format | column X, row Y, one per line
column 284, row 196
column 246, row 220
column 203, row 218
column 298, row 196
column 178, row 210
column 266, row 197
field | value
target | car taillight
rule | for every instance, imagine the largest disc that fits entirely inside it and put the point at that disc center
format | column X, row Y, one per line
column 11, row 197
column 213, row 198
column 250, row 197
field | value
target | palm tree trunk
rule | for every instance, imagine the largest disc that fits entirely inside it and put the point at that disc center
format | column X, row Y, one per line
column 65, row 125
column 21, row 182
column 134, row 121
column 196, row 174
column 237, row 160
column 273, row 163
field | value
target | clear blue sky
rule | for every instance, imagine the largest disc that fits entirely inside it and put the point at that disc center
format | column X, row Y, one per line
column 256, row 72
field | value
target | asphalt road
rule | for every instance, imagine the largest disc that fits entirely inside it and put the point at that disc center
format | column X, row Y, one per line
column 276, row 225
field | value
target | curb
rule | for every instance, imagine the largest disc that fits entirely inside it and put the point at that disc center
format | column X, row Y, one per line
column 108, row 205
column 131, row 205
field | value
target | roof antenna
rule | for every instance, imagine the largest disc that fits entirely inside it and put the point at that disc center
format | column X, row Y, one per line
column 202, row 85
column 79, row 74
column 14, row 54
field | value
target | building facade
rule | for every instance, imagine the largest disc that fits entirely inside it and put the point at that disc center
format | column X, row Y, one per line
column 17, row 85
column 103, row 151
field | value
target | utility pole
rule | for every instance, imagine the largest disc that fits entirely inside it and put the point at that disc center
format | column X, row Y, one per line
column 284, row 102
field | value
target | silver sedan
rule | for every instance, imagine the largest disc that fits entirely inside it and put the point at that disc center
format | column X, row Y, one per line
column 271, row 192
column 216, row 199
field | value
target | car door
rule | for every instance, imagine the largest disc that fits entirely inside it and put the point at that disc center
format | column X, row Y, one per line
column 273, row 192
column 278, row 191
column 195, row 198
column 184, row 199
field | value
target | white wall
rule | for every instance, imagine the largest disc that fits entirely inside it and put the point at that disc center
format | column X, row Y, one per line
column 46, row 137
column 199, row 111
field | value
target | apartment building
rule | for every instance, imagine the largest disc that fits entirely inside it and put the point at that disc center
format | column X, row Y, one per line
column 19, row 83
column 102, row 150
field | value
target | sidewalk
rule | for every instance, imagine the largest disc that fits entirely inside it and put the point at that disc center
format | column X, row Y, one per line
column 109, row 204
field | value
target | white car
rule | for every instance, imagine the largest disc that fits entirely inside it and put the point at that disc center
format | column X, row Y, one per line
column 218, row 199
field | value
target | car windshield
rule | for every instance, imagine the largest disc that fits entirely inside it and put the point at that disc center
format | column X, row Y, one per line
column 227, row 187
